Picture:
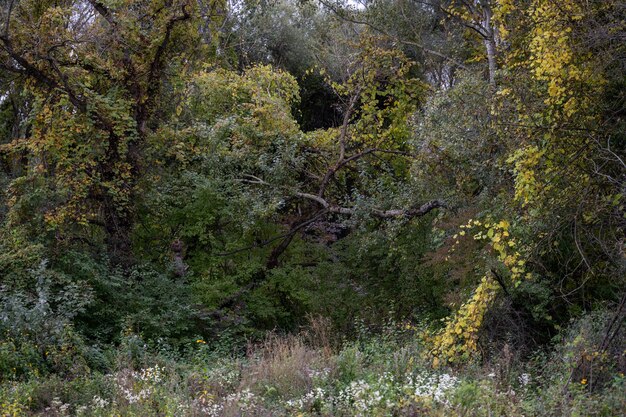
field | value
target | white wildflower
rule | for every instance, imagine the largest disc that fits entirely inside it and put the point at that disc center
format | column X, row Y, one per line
column 524, row 379
column 98, row 402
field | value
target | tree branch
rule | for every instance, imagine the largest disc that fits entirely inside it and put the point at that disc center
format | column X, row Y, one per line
column 500, row 281
column 157, row 63
column 427, row 50
column 156, row 69
column 341, row 161
column 384, row 214
column 274, row 239
column 31, row 70
column 8, row 19
column 103, row 11
column 271, row 263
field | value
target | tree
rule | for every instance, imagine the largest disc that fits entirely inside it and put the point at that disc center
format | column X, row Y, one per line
column 558, row 141
column 97, row 70
column 257, row 188
column 478, row 15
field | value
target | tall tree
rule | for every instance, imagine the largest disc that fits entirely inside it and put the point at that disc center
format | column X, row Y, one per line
column 97, row 70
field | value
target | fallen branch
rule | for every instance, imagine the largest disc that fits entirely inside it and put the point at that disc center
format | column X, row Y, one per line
column 384, row 214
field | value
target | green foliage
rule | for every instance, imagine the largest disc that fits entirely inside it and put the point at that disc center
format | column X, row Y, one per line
column 460, row 152
column 37, row 332
column 142, row 301
column 378, row 374
column 442, row 184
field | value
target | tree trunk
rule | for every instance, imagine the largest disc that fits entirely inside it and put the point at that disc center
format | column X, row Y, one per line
column 117, row 226
column 490, row 46
column 489, row 41
column 118, row 217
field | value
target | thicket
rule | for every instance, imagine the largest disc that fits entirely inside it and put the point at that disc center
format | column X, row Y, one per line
column 326, row 208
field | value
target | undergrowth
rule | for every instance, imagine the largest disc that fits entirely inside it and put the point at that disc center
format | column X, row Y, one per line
column 382, row 373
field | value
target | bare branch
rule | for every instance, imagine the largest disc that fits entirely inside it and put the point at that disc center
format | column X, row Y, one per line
column 427, row 50
column 346, row 121
column 271, row 263
column 420, row 211
column 31, row 70
column 341, row 161
column 384, row 214
column 103, row 11
column 8, row 19
column 275, row 238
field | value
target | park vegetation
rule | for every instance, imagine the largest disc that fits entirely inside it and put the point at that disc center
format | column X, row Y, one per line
column 312, row 208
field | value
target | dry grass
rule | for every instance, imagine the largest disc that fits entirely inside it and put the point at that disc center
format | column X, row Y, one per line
column 285, row 366
column 281, row 365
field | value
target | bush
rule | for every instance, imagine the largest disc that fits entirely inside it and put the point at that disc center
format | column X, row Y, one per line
column 38, row 336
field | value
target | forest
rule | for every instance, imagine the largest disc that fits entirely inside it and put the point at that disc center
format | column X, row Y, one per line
column 312, row 208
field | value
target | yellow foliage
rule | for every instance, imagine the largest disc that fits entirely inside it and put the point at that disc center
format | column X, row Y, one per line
column 552, row 56
column 458, row 340
column 566, row 84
